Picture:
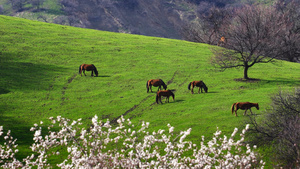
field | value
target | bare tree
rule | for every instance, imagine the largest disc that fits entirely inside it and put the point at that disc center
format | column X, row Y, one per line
column 280, row 127
column 254, row 36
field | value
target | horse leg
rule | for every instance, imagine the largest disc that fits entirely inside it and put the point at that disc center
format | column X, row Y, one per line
column 192, row 91
column 236, row 108
column 199, row 90
column 84, row 72
column 92, row 73
column 250, row 111
column 245, row 112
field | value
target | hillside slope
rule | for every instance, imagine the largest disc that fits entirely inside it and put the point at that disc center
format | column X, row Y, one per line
column 39, row 79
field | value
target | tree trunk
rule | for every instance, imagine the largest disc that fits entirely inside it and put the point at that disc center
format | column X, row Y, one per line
column 246, row 67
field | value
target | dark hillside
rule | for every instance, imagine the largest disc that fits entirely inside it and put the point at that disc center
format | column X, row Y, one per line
column 152, row 18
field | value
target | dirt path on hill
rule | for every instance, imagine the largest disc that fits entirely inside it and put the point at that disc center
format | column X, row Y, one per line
column 63, row 91
column 114, row 121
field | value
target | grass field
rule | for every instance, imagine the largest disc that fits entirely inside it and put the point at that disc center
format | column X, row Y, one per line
column 39, row 79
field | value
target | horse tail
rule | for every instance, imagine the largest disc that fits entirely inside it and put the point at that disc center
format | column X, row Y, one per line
column 79, row 69
column 157, row 98
column 189, row 87
column 232, row 108
column 147, row 86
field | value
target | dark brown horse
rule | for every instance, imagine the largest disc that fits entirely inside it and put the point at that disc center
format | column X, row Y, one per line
column 156, row 83
column 199, row 84
column 243, row 106
column 88, row 67
column 165, row 93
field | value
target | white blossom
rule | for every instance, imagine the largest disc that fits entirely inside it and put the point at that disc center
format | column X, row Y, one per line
column 126, row 146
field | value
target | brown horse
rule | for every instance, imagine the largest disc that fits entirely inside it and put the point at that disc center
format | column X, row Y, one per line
column 243, row 106
column 88, row 67
column 156, row 83
column 222, row 41
column 165, row 93
column 199, row 84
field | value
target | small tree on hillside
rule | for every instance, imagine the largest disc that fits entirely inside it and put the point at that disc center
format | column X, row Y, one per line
column 254, row 36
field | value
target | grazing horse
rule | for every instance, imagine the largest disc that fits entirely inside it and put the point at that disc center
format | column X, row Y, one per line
column 221, row 41
column 243, row 106
column 156, row 83
column 165, row 93
column 88, row 67
column 199, row 84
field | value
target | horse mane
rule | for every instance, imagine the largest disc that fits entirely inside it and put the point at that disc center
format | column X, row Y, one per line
column 204, row 86
column 163, row 83
column 95, row 69
column 189, row 86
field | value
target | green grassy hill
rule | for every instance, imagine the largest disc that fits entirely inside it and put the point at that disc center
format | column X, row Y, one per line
column 39, row 79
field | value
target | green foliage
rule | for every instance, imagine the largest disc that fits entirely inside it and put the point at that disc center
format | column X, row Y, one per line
column 39, row 78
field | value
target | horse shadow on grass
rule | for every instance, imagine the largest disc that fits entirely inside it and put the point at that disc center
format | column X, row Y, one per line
column 103, row 76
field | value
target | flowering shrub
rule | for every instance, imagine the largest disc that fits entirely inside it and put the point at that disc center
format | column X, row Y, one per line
column 127, row 146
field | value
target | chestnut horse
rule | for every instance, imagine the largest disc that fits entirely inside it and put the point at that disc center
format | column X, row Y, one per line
column 156, row 83
column 88, row 67
column 165, row 93
column 199, row 84
column 243, row 106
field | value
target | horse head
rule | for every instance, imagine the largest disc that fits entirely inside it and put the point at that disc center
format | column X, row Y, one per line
column 205, row 88
column 165, row 86
column 172, row 94
column 257, row 107
column 96, row 72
